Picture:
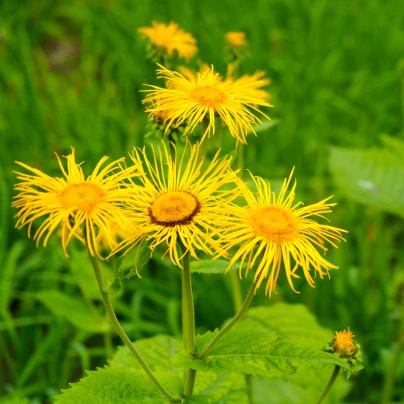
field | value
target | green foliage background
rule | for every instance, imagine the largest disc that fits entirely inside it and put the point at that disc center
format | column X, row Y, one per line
column 70, row 75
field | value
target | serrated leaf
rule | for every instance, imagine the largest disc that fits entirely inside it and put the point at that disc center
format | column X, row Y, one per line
column 120, row 386
column 257, row 352
column 292, row 320
column 111, row 385
column 300, row 388
column 373, row 177
column 158, row 352
column 74, row 311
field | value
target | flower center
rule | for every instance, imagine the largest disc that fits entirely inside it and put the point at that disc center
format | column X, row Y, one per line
column 208, row 96
column 273, row 223
column 343, row 341
column 84, row 196
column 174, row 207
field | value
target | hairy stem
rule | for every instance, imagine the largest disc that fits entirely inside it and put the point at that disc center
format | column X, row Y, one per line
column 122, row 334
column 229, row 325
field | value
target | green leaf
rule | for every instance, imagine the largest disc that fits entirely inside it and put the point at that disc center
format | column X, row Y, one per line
column 300, row 388
column 120, row 386
column 125, row 381
column 113, row 287
column 158, row 352
column 74, row 311
column 373, row 177
column 271, row 342
column 142, row 257
column 15, row 400
column 257, row 352
column 292, row 320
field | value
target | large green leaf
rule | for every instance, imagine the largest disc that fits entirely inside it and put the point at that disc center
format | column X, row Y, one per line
column 120, row 386
column 374, row 176
column 125, row 381
column 158, row 352
column 257, row 352
column 75, row 311
column 293, row 320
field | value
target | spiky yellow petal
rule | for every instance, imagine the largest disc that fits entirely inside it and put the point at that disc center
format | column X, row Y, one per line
column 80, row 207
column 274, row 230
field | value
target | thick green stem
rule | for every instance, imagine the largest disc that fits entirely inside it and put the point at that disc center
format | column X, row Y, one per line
column 236, row 291
column 229, row 325
column 188, row 319
column 330, row 383
column 241, row 159
column 122, row 334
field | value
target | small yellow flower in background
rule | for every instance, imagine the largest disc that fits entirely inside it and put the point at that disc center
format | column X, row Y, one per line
column 74, row 202
column 180, row 202
column 170, row 39
column 343, row 343
column 191, row 102
column 281, row 230
column 346, row 348
column 236, row 39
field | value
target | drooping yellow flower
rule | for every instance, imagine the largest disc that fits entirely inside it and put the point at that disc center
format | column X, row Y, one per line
column 343, row 343
column 273, row 230
column 236, row 39
column 191, row 102
column 170, row 38
column 180, row 202
column 78, row 206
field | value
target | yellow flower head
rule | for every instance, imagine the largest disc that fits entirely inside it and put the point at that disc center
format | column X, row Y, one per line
column 170, row 38
column 255, row 82
column 236, row 39
column 189, row 101
column 343, row 343
column 74, row 202
column 180, row 202
column 281, row 230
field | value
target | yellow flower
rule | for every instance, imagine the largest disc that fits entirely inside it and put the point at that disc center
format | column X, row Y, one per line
column 190, row 102
column 343, row 343
column 254, row 81
column 74, row 202
column 236, row 39
column 281, row 230
column 180, row 202
column 170, row 38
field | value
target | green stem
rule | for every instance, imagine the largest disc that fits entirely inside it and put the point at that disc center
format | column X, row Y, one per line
column 236, row 291
column 330, row 383
column 230, row 324
column 241, row 159
column 122, row 334
column 188, row 321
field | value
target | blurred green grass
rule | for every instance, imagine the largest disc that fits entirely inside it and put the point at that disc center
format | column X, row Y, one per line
column 70, row 75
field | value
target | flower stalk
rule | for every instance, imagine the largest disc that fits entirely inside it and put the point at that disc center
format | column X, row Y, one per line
column 188, row 319
column 229, row 325
column 118, row 328
column 334, row 376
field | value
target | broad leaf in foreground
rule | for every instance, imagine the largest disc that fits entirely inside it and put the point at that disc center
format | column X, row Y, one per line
column 125, row 382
